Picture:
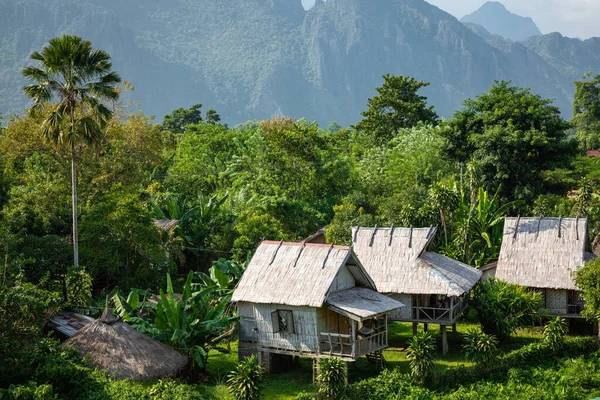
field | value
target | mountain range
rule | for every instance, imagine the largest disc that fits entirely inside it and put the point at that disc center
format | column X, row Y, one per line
column 496, row 19
column 253, row 59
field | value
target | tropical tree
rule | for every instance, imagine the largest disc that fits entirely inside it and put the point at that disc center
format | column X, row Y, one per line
column 587, row 278
column 511, row 135
column 81, row 80
column 396, row 106
column 586, row 112
column 177, row 120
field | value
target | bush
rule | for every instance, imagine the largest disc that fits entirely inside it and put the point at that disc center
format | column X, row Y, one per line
column 66, row 372
column 481, row 348
column 331, row 378
column 503, row 307
column 420, row 355
column 245, row 380
column 389, row 384
column 554, row 333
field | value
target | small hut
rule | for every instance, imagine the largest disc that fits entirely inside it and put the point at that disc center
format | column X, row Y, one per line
column 541, row 253
column 434, row 288
column 124, row 352
column 311, row 300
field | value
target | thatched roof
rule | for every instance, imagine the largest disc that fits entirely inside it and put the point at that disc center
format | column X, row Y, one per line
column 398, row 261
column 296, row 274
column 360, row 303
column 542, row 252
column 166, row 224
column 124, row 352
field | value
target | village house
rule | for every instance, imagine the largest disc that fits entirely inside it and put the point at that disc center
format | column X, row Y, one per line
column 541, row 253
column 310, row 300
column 434, row 288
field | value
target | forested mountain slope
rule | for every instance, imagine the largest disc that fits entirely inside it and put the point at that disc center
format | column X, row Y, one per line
column 258, row 58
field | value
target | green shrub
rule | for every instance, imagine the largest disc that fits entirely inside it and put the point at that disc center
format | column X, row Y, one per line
column 331, row 378
column 66, row 372
column 420, row 356
column 31, row 391
column 554, row 333
column 503, row 307
column 481, row 348
column 389, row 384
column 245, row 380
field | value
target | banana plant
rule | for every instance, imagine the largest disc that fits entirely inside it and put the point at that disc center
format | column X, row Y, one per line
column 224, row 275
column 193, row 322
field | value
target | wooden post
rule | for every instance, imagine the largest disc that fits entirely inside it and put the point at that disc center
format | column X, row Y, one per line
column 415, row 326
column 454, row 327
column 425, row 327
column 346, row 372
column 386, row 326
column 452, row 308
column 444, row 340
column 353, row 339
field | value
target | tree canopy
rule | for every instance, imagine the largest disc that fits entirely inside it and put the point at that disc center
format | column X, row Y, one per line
column 511, row 136
column 396, row 106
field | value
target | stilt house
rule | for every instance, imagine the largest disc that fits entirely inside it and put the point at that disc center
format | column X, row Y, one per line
column 434, row 288
column 541, row 253
column 313, row 300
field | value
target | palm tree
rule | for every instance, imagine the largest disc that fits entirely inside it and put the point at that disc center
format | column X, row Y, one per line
column 79, row 79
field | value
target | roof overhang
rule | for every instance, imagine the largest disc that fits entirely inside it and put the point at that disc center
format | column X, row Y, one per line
column 361, row 303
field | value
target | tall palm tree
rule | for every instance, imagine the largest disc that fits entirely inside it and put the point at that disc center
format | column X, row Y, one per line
column 71, row 85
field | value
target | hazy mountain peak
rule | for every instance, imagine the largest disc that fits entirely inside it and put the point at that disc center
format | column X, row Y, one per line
column 496, row 19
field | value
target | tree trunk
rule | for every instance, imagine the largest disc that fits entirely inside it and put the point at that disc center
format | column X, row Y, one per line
column 74, row 199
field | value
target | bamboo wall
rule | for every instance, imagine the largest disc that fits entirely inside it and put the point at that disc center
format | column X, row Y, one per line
column 344, row 280
column 305, row 336
column 556, row 301
column 404, row 313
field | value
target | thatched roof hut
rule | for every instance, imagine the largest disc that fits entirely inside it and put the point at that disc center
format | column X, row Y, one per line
column 124, row 352
column 542, row 252
column 398, row 261
column 306, row 274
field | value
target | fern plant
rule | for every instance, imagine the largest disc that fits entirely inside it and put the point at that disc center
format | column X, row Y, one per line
column 420, row 356
column 331, row 378
column 244, row 382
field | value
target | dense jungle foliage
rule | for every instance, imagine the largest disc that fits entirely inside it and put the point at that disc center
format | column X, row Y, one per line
column 507, row 152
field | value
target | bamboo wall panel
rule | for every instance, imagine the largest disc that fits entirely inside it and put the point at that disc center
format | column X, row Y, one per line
column 344, row 280
column 556, row 301
column 304, row 338
column 405, row 313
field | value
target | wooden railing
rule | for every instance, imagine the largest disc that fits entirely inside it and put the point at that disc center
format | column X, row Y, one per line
column 436, row 314
column 575, row 309
column 337, row 344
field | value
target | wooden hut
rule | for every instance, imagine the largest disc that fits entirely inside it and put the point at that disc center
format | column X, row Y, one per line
column 434, row 288
column 312, row 300
column 124, row 352
column 541, row 253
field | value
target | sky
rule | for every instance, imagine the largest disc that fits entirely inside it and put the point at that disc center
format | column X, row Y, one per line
column 573, row 18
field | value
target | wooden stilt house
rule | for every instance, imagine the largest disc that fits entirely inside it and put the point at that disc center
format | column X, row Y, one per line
column 312, row 300
column 434, row 288
column 541, row 253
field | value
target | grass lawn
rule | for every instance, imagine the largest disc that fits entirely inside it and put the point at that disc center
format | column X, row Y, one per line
column 287, row 385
